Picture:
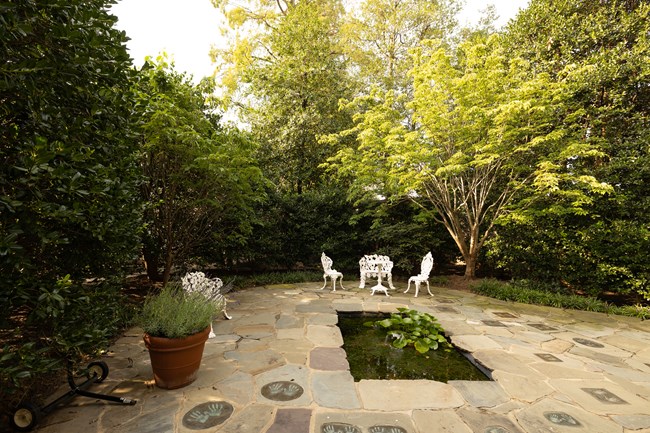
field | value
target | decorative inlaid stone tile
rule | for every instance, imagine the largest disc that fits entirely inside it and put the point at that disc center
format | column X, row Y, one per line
column 562, row 418
column 588, row 343
column 386, row 429
column 335, row 427
column 493, row 323
column 604, row 396
column 548, row 357
column 207, row 415
column 446, row 309
column 282, row 391
column 505, row 315
column 542, row 327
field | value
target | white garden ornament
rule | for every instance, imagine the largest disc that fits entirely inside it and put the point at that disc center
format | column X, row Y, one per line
column 197, row 282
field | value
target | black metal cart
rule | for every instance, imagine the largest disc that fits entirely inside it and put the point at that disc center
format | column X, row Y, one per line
column 27, row 415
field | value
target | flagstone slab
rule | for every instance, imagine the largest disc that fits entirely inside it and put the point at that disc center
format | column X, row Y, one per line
column 252, row 418
column 602, row 397
column 255, row 331
column 553, row 416
column 323, row 319
column 328, row 358
column 407, row 395
column 290, row 334
column 480, row 393
column 348, row 305
column 499, row 360
column 328, row 336
column 317, row 306
column 592, row 355
column 289, row 321
column 473, row 343
column 556, row 346
column 237, row 387
column 554, row 371
column 256, row 362
column 633, row 422
column 482, row 421
column 335, row 389
column 522, row 388
column 439, row 421
column 291, row 421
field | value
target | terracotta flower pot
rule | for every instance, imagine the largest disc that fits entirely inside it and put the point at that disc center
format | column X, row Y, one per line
column 176, row 361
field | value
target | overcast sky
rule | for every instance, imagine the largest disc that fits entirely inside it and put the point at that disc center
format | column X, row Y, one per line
column 186, row 29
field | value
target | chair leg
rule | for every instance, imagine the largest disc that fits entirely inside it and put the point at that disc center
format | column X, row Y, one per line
column 341, row 282
column 390, row 281
column 417, row 288
column 428, row 288
column 363, row 281
column 333, row 278
column 408, row 287
column 324, row 282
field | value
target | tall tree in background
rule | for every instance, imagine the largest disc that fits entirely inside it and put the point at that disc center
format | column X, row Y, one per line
column 293, row 73
column 600, row 50
column 197, row 175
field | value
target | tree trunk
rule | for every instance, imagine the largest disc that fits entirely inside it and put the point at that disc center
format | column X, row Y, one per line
column 470, row 265
column 151, row 263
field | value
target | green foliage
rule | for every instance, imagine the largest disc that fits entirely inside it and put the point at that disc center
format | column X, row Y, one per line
column 529, row 292
column 269, row 278
column 411, row 327
column 69, row 203
column 202, row 182
column 81, row 322
column 174, row 313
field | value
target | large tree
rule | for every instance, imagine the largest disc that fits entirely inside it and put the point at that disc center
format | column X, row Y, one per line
column 485, row 131
column 200, row 179
column 600, row 50
column 292, row 74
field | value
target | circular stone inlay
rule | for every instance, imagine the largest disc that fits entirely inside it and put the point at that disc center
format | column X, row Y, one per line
column 336, row 427
column 207, row 415
column 588, row 343
column 562, row 418
column 387, row 429
column 282, row 391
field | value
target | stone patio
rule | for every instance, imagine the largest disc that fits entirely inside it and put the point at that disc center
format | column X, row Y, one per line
column 278, row 367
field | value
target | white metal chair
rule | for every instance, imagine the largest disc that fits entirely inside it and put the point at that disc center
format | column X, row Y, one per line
column 208, row 287
column 329, row 272
column 423, row 276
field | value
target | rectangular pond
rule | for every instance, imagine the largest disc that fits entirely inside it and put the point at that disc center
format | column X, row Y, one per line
column 372, row 356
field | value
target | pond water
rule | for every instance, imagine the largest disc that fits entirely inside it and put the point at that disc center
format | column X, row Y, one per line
column 371, row 355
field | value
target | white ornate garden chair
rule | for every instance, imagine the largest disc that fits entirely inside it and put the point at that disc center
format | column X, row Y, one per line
column 369, row 267
column 209, row 287
column 423, row 276
column 329, row 272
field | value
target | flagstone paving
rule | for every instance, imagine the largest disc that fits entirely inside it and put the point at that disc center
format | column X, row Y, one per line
column 278, row 367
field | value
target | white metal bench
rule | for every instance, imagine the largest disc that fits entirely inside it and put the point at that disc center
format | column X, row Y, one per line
column 376, row 266
column 423, row 276
column 329, row 272
column 209, row 287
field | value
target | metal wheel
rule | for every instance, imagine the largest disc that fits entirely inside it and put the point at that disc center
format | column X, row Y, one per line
column 25, row 417
column 99, row 369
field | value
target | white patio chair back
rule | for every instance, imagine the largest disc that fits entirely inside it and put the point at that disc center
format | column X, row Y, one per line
column 331, row 273
column 423, row 277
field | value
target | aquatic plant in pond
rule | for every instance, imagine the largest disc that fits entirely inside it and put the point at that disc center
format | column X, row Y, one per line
column 407, row 327
column 372, row 355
